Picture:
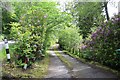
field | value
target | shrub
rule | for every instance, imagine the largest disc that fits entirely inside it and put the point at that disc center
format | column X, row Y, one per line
column 70, row 39
column 104, row 41
column 29, row 38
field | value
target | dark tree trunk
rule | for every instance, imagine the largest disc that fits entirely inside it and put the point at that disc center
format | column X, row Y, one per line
column 106, row 10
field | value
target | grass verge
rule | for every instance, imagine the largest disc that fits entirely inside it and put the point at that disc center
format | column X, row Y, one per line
column 65, row 61
column 1, row 37
column 92, row 63
column 38, row 70
column 3, row 52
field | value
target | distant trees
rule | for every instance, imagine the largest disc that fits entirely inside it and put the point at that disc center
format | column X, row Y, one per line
column 7, row 17
column 87, row 15
column 69, row 39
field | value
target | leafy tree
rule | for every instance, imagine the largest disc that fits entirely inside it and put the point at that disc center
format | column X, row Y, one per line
column 87, row 15
column 37, row 27
column 20, row 8
column 7, row 17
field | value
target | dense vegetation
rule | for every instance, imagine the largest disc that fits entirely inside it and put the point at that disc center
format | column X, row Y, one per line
column 100, row 37
column 35, row 29
column 81, row 29
column 104, row 42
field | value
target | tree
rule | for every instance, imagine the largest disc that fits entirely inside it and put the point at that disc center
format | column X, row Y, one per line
column 106, row 10
column 87, row 15
column 7, row 17
column 38, row 25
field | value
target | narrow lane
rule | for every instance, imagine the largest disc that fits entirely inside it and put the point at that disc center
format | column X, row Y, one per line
column 81, row 70
column 56, row 68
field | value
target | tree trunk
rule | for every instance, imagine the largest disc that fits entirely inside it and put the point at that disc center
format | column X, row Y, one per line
column 106, row 10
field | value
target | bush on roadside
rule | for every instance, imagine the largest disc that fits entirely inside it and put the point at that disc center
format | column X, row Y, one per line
column 104, row 42
column 70, row 39
column 29, row 37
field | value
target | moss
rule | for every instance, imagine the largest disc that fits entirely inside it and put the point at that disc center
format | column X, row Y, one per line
column 65, row 61
column 74, row 56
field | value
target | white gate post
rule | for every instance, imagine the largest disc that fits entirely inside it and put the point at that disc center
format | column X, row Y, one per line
column 7, row 49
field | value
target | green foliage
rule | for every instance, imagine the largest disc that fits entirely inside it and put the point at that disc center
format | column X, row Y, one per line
column 69, row 38
column 36, row 30
column 7, row 18
column 20, row 8
column 86, row 15
column 1, row 37
column 104, row 43
column 3, row 52
column 29, row 36
column 35, row 26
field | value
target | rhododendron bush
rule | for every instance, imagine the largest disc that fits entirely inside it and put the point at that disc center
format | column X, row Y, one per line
column 104, row 42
